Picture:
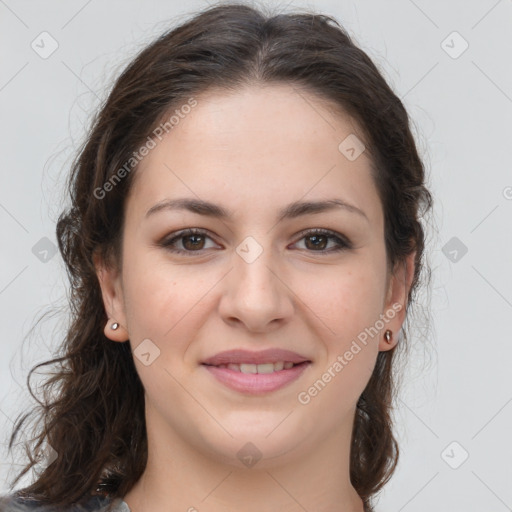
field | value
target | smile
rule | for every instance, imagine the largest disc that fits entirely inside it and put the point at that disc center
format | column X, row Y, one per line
column 257, row 368
column 257, row 379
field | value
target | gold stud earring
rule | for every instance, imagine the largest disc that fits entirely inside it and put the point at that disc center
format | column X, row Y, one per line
column 387, row 336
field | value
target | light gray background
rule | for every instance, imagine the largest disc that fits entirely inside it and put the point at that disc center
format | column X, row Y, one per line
column 460, row 388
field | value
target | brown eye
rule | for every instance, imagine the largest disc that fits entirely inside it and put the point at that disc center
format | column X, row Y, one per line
column 317, row 240
column 193, row 240
column 186, row 242
column 196, row 242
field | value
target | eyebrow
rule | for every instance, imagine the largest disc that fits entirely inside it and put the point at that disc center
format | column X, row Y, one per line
column 291, row 211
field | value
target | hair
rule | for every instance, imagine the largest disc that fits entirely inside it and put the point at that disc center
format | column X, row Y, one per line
column 93, row 409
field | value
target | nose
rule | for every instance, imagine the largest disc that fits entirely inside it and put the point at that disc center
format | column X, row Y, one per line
column 256, row 295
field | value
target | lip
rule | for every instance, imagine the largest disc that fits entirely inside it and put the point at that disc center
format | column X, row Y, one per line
column 271, row 355
column 257, row 383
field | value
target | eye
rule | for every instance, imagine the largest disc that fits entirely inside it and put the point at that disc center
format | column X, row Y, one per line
column 317, row 240
column 192, row 239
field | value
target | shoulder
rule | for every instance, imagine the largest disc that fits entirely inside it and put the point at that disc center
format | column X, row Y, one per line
column 11, row 503
column 15, row 503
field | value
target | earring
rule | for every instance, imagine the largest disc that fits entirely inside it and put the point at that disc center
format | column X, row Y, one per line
column 114, row 326
column 387, row 336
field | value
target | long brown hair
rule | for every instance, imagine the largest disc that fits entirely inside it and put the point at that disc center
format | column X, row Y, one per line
column 92, row 414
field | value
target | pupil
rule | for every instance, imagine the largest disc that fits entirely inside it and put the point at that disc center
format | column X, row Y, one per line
column 316, row 237
column 195, row 244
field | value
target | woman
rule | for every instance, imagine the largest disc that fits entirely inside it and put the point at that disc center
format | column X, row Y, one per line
column 243, row 244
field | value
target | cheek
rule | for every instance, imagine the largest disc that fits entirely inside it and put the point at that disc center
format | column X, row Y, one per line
column 347, row 307
column 345, row 299
column 164, row 302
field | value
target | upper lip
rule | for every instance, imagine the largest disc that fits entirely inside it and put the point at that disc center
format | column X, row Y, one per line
column 239, row 356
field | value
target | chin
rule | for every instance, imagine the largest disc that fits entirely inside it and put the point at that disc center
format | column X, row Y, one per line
column 264, row 447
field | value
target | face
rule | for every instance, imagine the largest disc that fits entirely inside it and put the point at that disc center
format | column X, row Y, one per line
column 304, row 280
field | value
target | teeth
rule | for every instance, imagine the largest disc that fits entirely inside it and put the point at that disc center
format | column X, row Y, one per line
column 279, row 366
column 258, row 368
column 249, row 368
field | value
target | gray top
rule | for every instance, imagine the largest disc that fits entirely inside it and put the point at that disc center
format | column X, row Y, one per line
column 95, row 504
column 13, row 503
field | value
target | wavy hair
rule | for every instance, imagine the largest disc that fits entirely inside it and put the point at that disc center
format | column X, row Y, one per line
column 92, row 413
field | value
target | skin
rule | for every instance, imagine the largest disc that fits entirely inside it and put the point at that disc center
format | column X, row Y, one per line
column 252, row 152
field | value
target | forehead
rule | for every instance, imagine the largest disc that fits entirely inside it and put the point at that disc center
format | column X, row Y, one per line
column 261, row 145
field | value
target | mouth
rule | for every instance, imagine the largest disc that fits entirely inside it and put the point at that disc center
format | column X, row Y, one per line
column 248, row 359
column 262, row 368
column 256, row 373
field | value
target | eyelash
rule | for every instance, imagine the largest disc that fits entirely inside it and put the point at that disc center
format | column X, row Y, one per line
column 343, row 242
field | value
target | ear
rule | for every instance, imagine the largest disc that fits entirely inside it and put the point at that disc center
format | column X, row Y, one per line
column 112, row 292
column 396, row 299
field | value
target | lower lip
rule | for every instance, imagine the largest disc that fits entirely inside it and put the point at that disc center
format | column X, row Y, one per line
column 257, row 383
